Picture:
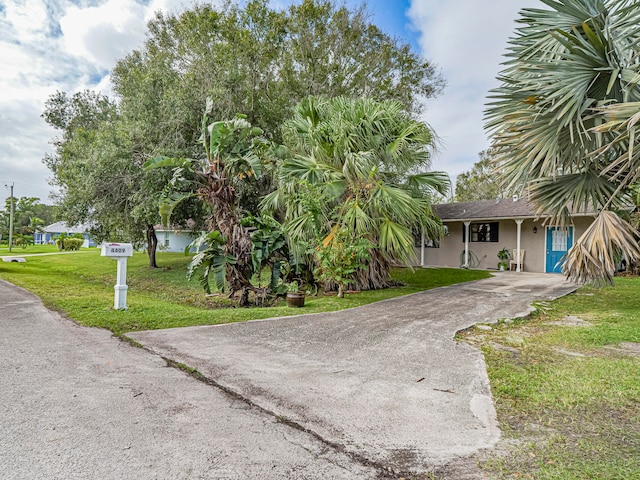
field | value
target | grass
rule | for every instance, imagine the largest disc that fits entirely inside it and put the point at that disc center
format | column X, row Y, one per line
column 81, row 287
column 568, row 397
column 29, row 250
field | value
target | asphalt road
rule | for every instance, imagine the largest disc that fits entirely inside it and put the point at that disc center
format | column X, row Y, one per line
column 76, row 403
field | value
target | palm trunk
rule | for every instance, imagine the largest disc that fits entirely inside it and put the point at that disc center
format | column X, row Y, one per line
column 152, row 245
column 376, row 275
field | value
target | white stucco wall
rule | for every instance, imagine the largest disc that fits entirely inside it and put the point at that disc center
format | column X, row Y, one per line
column 174, row 240
column 534, row 244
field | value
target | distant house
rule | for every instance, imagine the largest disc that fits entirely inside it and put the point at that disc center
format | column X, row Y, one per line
column 53, row 231
column 173, row 238
column 476, row 231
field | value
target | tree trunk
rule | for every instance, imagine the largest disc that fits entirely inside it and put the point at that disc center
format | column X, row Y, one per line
column 376, row 275
column 221, row 196
column 152, row 245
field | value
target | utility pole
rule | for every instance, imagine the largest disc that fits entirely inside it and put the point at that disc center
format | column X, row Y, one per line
column 11, row 219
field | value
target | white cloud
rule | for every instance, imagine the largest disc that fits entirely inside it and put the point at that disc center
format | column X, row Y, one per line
column 467, row 40
column 104, row 33
column 27, row 19
column 49, row 45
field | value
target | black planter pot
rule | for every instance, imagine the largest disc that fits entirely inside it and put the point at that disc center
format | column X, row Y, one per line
column 295, row 299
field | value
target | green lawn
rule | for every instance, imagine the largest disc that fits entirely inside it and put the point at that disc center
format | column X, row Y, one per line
column 29, row 250
column 81, row 286
column 568, row 396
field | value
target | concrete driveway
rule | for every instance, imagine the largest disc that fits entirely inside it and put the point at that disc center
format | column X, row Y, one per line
column 385, row 383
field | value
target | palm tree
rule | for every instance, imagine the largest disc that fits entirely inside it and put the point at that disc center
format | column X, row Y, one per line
column 359, row 165
column 570, row 72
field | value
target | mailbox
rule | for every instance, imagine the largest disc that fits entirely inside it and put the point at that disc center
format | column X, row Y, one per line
column 119, row 252
column 116, row 250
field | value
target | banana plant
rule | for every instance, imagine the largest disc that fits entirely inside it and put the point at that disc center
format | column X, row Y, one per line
column 233, row 152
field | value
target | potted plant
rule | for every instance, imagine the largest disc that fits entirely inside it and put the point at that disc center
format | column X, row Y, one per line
column 503, row 255
column 295, row 297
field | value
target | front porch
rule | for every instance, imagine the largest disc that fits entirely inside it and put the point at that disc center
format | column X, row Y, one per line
column 477, row 231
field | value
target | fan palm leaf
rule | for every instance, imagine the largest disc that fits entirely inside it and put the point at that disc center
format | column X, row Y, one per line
column 592, row 259
column 368, row 161
column 557, row 122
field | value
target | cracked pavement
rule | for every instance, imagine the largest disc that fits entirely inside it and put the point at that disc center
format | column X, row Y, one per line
column 386, row 382
column 374, row 392
column 76, row 403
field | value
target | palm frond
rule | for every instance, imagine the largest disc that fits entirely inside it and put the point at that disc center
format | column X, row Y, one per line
column 396, row 239
column 592, row 257
column 429, row 182
column 558, row 198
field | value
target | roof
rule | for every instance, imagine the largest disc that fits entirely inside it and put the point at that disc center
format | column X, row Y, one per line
column 189, row 227
column 504, row 208
column 62, row 227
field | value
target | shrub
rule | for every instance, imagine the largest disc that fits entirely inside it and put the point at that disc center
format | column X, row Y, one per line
column 339, row 256
column 69, row 241
column 69, row 244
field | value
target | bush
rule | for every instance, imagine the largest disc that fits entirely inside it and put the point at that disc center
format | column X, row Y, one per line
column 69, row 244
column 23, row 240
column 69, row 241
column 339, row 256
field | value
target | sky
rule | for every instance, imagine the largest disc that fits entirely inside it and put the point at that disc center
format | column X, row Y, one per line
column 72, row 45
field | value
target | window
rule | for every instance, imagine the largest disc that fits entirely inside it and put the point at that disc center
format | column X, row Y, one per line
column 481, row 232
column 417, row 240
column 559, row 240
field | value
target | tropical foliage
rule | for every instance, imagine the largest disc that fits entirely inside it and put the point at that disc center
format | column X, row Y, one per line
column 359, row 165
column 233, row 152
column 247, row 57
column 564, row 120
column 339, row 257
column 29, row 216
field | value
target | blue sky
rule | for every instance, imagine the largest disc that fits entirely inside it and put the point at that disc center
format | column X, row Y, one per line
column 391, row 16
column 71, row 45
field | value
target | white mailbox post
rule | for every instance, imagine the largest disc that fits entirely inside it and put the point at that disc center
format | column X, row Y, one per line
column 119, row 252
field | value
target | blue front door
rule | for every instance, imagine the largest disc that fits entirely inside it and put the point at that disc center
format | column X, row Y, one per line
column 559, row 240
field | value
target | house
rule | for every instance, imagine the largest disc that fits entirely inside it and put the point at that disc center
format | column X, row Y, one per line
column 51, row 232
column 173, row 238
column 476, row 231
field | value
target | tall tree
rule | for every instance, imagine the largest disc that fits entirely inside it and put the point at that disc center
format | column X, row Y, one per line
column 250, row 59
column 98, row 167
column 482, row 182
column 359, row 165
column 570, row 70
column 261, row 62
column 333, row 51
column 29, row 214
